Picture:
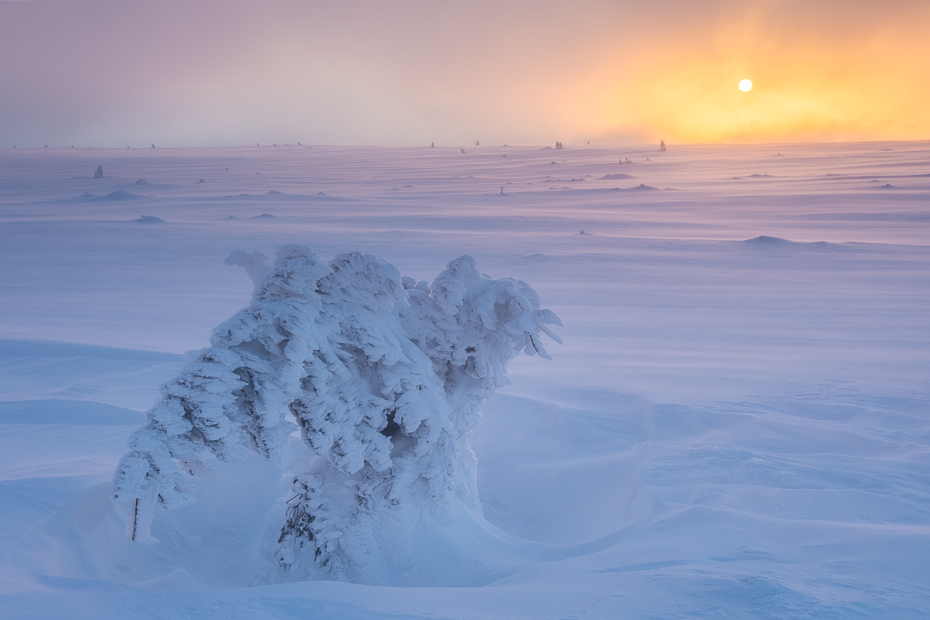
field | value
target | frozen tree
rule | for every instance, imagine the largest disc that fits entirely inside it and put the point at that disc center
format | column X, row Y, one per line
column 385, row 378
column 662, row 145
column 98, row 174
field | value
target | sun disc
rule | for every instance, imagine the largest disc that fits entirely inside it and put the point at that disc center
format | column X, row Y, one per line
column 745, row 85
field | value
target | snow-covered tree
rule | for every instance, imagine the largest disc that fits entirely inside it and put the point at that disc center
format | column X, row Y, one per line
column 384, row 377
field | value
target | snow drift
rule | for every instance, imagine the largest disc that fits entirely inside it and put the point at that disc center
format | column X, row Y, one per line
column 384, row 377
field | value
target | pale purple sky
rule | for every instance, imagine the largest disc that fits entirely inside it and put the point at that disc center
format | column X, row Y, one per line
column 205, row 72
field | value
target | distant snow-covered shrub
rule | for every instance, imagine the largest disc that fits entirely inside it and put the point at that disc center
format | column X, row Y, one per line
column 384, row 377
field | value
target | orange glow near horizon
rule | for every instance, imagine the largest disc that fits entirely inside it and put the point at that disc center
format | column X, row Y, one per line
column 226, row 72
column 810, row 90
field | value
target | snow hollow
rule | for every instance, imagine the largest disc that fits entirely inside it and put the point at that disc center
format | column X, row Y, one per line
column 737, row 424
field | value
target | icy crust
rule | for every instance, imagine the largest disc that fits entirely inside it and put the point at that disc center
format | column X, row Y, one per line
column 385, row 378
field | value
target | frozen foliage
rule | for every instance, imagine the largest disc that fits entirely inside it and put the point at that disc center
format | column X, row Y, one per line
column 384, row 377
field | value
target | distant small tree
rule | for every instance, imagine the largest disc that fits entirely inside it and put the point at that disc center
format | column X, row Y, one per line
column 99, row 173
column 662, row 145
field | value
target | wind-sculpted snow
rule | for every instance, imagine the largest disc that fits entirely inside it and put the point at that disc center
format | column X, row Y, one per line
column 736, row 426
column 385, row 378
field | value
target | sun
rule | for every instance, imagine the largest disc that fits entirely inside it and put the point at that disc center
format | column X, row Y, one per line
column 745, row 85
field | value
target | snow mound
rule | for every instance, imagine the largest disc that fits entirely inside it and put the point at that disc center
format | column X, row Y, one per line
column 111, row 197
column 768, row 240
column 778, row 242
column 615, row 177
column 642, row 187
column 149, row 219
column 120, row 196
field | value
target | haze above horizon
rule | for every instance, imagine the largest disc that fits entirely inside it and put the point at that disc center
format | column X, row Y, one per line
column 118, row 73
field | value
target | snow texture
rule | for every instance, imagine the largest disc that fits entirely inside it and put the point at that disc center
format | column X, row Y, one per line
column 737, row 425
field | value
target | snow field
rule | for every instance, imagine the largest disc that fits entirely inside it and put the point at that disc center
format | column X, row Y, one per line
column 736, row 425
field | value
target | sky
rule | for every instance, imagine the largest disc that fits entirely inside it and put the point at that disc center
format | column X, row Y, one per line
column 411, row 72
